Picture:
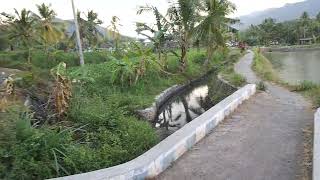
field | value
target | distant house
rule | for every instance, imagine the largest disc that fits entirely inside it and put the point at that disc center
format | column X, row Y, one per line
column 305, row 41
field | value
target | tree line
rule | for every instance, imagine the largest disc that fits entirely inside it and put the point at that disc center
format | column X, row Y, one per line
column 271, row 32
column 186, row 23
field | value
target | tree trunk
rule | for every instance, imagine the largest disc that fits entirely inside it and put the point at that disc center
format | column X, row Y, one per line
column 29, row 55
column 184, row 50
column 186, row 109
column 209, row 56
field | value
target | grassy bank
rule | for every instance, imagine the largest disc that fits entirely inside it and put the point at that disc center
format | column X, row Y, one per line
column 228, row 72
column 263, row 68
column 101, row 128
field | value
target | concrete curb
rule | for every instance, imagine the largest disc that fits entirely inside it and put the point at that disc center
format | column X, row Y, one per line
column 316, row 146
column 160, row 157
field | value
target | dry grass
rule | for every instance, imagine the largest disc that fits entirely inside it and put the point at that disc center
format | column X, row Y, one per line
column 307, row 153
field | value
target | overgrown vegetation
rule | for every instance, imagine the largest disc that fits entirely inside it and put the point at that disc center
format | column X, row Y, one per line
column 65, row 119
column 100, row 129
column 261, row 86
column 228, row 72
column 310, row 90
column 263, row 67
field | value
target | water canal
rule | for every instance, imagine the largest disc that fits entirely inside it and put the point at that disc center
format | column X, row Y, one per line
column 189, row 104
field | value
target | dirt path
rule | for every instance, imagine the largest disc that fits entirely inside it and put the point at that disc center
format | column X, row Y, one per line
column 262, row 140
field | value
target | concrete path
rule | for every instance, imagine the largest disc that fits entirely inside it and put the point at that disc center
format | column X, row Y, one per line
column 262, row 140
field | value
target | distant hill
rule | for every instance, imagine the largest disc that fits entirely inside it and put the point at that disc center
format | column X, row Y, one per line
column 285, row 13
column 70, row 28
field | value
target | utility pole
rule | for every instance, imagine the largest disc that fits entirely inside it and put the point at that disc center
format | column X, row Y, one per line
column 77, row 34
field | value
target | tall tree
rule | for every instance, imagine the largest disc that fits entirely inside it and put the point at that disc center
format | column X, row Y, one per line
column 183, row 16
column 92, row 32
column 48, row 32
column 21, row 31
column 268, row 31
column 115, row 33
column 305, row 22
column 89, row 32
column 214, row 23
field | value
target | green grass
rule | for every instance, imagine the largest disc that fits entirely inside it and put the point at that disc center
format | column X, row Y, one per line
column 101, row 129
column 228, row 72
column 310, row 90
column 263, row 67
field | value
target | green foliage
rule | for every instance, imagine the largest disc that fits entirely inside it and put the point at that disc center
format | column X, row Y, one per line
column 263, row 67
column 237, row 80
column 261, row 86
column 17, row 59
column 270, row 32
column 305, row 86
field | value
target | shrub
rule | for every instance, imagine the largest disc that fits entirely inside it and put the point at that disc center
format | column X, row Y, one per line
column 237, row 80
column 261, row 86
column 305, row 86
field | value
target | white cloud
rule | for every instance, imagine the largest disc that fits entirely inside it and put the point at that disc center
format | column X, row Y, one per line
column 126, row 9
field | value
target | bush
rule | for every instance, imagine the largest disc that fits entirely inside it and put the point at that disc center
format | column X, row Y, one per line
column 261, row 86
column 305, row 86
column 39, row 59
column 264, row 68
column 237, row 80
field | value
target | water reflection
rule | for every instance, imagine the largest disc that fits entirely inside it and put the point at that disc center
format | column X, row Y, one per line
column 295, row 67
column 185, row 107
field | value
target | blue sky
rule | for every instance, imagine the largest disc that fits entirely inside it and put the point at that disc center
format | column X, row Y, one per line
column 126, row 9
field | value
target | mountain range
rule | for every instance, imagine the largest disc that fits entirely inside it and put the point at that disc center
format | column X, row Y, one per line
column 285, row 13
column 69, row 27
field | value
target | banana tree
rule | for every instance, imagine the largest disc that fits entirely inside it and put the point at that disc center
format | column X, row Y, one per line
column 183, row 15
column 158, row 30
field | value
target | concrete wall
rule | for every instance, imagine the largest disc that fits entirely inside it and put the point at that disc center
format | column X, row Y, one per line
column 316, row 146
column 160, row 157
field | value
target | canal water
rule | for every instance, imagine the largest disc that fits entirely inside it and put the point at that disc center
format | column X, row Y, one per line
column 190, row 104
column 295, row 67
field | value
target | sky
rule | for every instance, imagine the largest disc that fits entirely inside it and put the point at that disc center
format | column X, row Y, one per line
column 126, row 9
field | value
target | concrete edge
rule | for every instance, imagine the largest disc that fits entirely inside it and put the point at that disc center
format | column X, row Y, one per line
column 316, row 146
column 161, row 156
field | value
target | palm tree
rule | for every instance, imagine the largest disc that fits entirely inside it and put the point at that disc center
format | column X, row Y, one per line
column 158, row 30
column 214, row 23
column 21, row 29
column 48, row 32
column 183, row 16
column 115, row 33
column 92, row 31
column 304, row 22
column 88, row 30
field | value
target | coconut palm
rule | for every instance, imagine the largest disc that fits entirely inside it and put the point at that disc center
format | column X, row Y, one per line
column 114, row 31
column 88, row 30
column 214, row 24
column 21, row 29
column 92, row 32
column 304, row 22
column 183, row 16
column 49, row 34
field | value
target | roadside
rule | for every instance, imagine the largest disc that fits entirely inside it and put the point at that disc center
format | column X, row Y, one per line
column 264, row 69
column 263, row 139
